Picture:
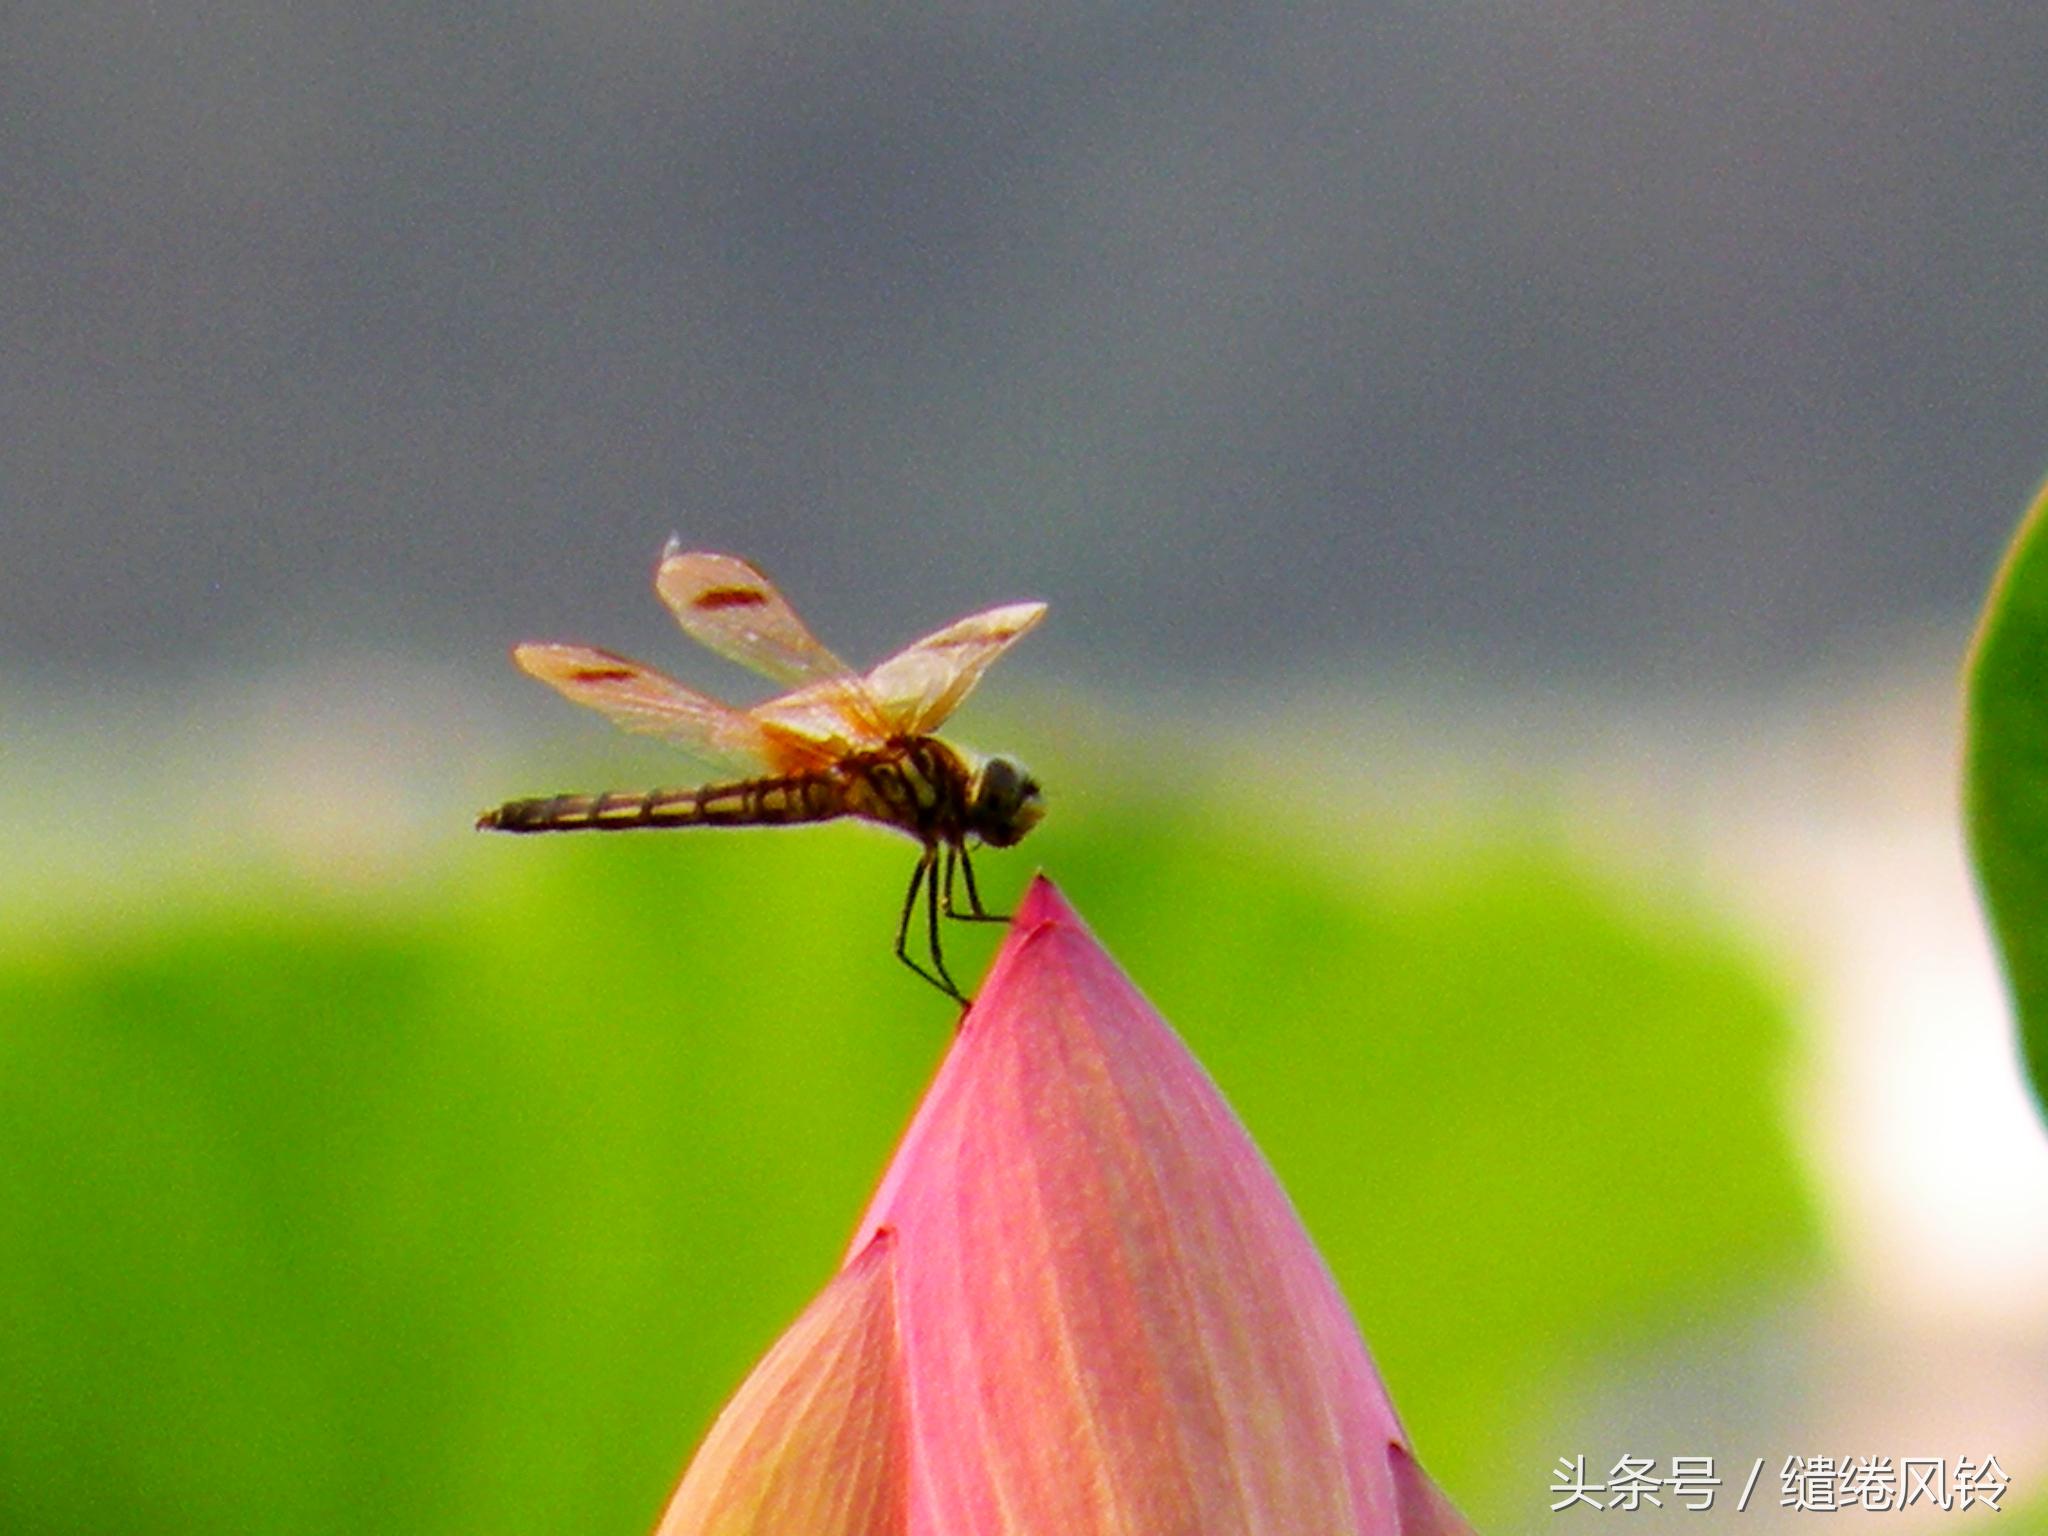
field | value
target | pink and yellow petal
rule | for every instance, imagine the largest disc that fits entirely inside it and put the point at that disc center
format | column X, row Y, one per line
column 814, row 1441
column 1112, row 1320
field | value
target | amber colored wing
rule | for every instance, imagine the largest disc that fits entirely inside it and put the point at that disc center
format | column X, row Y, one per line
column 730, row 607
column 834, row 717
column 917, row 688
column 638, row 698
column 724, row 603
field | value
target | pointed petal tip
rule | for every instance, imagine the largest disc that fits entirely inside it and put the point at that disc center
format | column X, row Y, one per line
column 1423, row 1508
column 815, row 1440
column 1042, row 903
column 1042, row 912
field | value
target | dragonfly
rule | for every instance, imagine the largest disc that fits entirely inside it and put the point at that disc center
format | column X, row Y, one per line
column 838, row 743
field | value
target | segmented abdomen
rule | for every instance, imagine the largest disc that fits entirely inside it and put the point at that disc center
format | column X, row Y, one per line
column 754, row 803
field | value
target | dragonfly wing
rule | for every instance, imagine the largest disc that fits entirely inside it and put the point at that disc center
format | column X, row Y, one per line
column 638, row 698
column 835, row 716
column 724, row 603
column 917, row 688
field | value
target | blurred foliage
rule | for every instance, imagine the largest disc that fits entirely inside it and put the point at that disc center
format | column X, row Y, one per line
column 2006, row 769
column 463, row 1207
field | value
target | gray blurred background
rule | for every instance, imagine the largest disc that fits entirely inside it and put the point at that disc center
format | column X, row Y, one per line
column 1645, row 344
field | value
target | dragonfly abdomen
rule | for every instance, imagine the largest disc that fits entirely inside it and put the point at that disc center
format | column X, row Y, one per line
column 752, row 803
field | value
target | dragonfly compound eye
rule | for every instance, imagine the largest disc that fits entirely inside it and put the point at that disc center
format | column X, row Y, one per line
column 1007, row 802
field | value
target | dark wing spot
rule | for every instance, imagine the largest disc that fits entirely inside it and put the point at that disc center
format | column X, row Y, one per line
column 605, row 674
column 729, row 597
column 981, row 637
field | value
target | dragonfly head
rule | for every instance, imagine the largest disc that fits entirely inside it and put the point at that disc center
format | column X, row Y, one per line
column 1003, row 802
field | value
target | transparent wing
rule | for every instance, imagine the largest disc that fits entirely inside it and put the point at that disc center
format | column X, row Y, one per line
column 917, row 688
column 638, row 698
column 724, row 603
column 835, row 716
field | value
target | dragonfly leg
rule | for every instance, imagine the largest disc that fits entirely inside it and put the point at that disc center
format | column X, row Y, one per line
column 976, row 912
column 949, row 861
column 956, row 858
column 917, row 881
column 931, row 908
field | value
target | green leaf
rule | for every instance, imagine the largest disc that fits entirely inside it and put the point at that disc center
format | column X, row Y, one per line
column 2006, row 776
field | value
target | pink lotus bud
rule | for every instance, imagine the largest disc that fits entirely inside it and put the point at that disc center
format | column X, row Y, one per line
column 1108, row 1320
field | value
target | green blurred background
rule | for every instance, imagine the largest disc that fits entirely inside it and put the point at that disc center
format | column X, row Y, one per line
column 357, row 1171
